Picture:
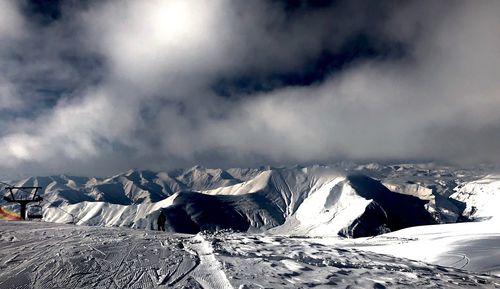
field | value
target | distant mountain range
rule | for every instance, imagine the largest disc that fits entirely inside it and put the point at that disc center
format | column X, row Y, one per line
column 345, row 199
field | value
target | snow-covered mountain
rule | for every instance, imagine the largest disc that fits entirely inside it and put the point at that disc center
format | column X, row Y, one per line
column 131, row 187
column 346, row 199
column 482, row 197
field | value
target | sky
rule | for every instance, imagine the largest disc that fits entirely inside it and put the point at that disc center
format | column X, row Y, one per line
column 99, row 87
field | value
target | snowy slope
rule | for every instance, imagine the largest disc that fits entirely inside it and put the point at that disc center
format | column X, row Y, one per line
column 66, row 256
column 253, row 185
column 109, row 215
column 199, row 178
column 329, row 209
column 482, row 197
column 473, row 246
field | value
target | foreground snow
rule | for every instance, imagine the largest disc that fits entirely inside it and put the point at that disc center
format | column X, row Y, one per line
column 44, row 255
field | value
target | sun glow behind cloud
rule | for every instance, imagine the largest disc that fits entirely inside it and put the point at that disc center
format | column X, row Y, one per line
column 175, row 22
column 148, row 38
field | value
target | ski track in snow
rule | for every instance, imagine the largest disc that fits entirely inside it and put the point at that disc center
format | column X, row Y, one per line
column 298, row 262
column 44, row 255
column 61, row 256
column 208, row 273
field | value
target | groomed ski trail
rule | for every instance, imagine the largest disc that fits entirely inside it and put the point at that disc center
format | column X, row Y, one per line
column 208, row 273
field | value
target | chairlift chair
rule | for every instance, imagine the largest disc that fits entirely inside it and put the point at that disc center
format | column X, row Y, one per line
column 23, row 197
column 35, row 211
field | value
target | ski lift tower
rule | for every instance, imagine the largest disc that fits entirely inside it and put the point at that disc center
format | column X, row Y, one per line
column 23, row 196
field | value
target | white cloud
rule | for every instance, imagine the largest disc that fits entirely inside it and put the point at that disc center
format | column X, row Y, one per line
column 412, row 109
column 75, row 130
column 153, row 106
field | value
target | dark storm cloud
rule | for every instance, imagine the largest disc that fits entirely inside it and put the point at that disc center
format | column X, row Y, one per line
column 102, row 86
column 43, row 12
column 40, row 55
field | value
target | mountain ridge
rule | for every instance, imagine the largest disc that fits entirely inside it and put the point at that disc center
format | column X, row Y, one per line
column 303, row 200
